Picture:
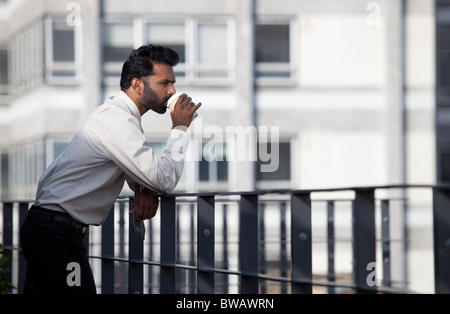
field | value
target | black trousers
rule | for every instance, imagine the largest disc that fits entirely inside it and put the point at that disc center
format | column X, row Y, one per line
column 57, row 261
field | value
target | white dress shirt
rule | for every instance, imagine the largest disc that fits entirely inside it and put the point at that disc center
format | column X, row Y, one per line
column 87, row 177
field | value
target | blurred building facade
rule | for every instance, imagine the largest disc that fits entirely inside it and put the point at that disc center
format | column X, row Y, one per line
column 343, row 91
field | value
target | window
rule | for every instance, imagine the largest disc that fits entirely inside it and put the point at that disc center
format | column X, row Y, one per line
column 205, row 46
column 61, row 57
column 4, row 175
column 213, row 167
column 172, row 35
column 280, row 169
column 272, row 43
column 273, row 52
column 4, row 81
column 63, row 43
column 118, row 41
column 46, row 49
column 213, row 57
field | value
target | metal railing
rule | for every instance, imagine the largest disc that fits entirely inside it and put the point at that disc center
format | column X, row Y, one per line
column 258, row 242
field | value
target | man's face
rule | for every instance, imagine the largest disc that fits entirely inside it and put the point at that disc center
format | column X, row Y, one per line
column 158, row 88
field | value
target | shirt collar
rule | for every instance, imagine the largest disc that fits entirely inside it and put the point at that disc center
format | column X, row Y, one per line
column 130, row 103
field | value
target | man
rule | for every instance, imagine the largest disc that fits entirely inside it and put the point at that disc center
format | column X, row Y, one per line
column 79, row 188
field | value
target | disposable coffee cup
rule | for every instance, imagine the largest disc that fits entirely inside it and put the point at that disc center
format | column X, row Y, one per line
column 172, row 102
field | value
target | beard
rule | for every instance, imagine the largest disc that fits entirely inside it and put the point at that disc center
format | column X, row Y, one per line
column 152, row 101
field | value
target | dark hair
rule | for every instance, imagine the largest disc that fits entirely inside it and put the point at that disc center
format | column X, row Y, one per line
column 140, row 62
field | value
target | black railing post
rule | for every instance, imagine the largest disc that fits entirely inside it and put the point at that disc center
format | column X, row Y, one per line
column 135, row 253
column 8, row 238
column 192, row 276
column 168, row 249
column 121, row 274
column 108, row 252
column 386, row 242
column 180, row 274
column 364, row 240
column 23, row 211
column 283, row 246
column 151, row 257
column 205, row 242
column 331, row 245
column 225, row 263
column 262, row 245
column 301, row 243
column 248, row 243
column 441, row 234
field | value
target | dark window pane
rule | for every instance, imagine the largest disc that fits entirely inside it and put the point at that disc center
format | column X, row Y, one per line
column 444, row 68
column 181, row 50
column 445, row 168
column 222, row 171
column 283, row 171
column 268, row 74
column 63, row 73
column 4, row 172
column 117, row 41
column 63, row 45
column 116, row 54
column 204, row 170
column 272, row 43
column 3, row 67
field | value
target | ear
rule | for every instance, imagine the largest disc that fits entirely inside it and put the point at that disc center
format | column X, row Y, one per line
column 137, row 85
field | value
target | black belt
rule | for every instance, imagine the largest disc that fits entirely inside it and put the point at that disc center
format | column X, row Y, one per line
column 53, row 215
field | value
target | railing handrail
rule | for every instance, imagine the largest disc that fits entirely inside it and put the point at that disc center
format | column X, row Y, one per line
column 276, row 191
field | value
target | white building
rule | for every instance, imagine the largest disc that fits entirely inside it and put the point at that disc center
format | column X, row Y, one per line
column 349, row 85
column 352, row 97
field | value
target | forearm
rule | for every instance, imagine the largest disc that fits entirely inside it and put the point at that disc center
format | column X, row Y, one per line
column 142, row 166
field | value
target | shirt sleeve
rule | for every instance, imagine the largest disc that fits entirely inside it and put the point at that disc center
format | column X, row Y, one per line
column 127, row 147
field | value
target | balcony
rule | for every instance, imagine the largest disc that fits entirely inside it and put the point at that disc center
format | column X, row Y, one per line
column 346, row 240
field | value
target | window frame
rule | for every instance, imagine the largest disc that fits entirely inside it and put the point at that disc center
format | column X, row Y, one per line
column 4, row 86
column 190, row 67
column 279, row 67
column 195, row 68
column 213, row 166
column 50, row 65
column 180, row 67
column 116, row 66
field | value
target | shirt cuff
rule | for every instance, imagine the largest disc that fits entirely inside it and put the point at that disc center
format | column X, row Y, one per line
column 181, row 128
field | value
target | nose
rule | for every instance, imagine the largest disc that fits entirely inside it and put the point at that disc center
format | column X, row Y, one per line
column 172, row 90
